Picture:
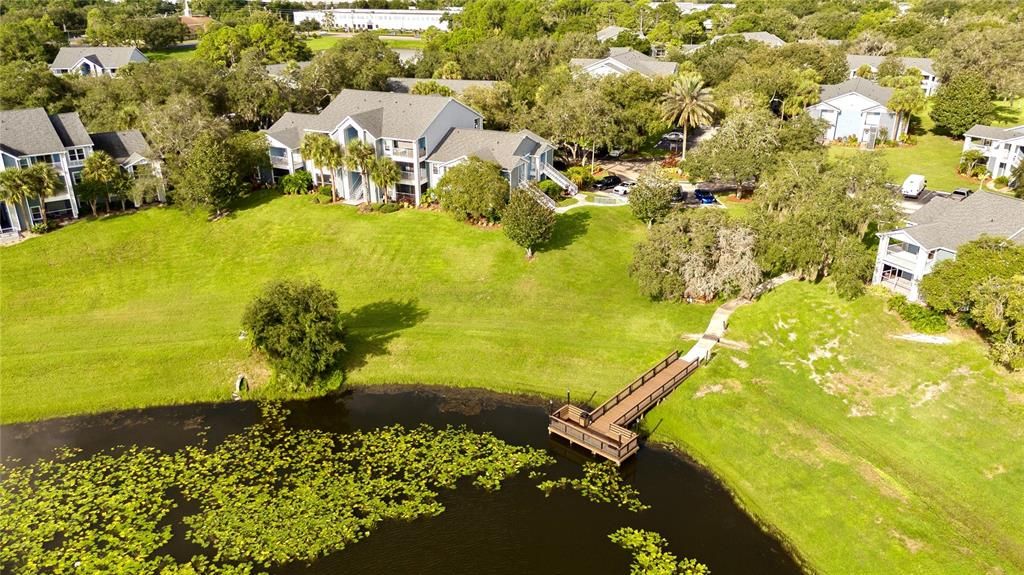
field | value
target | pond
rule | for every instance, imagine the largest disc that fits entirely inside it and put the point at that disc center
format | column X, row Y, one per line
column 515, row 530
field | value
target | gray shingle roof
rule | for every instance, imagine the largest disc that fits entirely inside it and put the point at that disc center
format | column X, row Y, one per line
column 503, row 148
column 855, row 61
column 864, row 87
column 402, row 116
column 123, row 146
column 405, row 85
column 279, row 69
column 610, row 33
column 29, row 132
column 993, row 133
column 289, row 128
column 953, row 223
column 107, row 57
column 630, row 59
column 70, row 130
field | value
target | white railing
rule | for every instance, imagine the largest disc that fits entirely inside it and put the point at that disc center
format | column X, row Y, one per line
column 559, row 178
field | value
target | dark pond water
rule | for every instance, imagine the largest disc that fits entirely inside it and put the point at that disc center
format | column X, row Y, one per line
column 514, row 531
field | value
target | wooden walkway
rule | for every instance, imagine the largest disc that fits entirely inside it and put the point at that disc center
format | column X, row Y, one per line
column 604, row 431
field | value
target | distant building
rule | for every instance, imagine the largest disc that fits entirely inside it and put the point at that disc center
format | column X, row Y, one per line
column 406, row 85
column 31, row 136
column 936, row 231
column 1003, row 147
column 370, row 19
column 423, row 135
column 691, row 7
column 858, row 108
column 624, row 61
column 610, row 33
column 95, row 60
column 929, row 79
column 766, row 38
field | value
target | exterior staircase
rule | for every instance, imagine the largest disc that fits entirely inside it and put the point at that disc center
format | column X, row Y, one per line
column 559, row 178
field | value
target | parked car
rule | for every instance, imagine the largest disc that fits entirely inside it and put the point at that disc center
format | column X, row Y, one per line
column 624, row 188
column 913, row 186
column 673, row 137
column 961, row 193
column 608, row 182
column 705, row 197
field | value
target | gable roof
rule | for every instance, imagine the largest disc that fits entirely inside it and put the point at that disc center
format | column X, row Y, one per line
column 383, row 114
column 861, row 86
column 629, row 59
column 951, row 223
column 288, row 129
column 104, row 56
column 993, row 133
column 125, row 147
column 405, row 85
column 279, row 69
column 31, row 131
column 503, row 148
column 855, row 61
column 610, row 33
column 70, row 130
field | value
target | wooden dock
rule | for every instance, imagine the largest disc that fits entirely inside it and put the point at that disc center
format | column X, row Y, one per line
column 604, row 431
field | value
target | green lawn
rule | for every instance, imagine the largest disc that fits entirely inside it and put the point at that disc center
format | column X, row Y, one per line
column 869, row 454
column 320, row 43
column 1008, row 113
column 145, row 309
column 872, row 455
column 176, row 53
column 935, row 157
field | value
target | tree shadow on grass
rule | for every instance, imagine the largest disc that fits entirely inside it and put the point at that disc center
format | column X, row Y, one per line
column 569, row 227
column 371, row 328
column 251, row 200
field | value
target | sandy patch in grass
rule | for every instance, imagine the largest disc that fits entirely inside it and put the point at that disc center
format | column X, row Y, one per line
column 739, row 362
column 931, row 391
column 994, row 471
column 924, row 338
column 725, row 386
column 912, row 545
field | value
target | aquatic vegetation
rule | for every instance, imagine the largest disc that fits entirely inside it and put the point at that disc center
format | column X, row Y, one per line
column 601, row 483
column 264, row 497
column 650, row 556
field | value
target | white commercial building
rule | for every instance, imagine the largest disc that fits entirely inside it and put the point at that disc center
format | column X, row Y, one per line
column 368, row 19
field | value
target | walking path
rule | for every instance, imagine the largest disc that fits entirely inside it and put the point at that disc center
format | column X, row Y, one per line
column 604, row 431
column 610, row 200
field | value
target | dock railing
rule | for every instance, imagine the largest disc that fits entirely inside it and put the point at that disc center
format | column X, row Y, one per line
column 639, row 382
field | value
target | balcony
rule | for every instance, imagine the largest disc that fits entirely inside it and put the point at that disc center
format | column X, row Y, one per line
column 410, row 177
column 400, row 152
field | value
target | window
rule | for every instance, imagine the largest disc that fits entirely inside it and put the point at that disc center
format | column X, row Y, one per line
column 76, row 154
column 873, row 118
column 76, row 177
column 436, row 169
column 476, row 123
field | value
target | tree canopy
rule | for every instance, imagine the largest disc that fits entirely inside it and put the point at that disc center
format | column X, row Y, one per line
column 526, row 222
column 474, row 189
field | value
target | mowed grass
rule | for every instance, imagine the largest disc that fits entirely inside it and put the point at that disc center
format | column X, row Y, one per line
column 933, row 156
column 316, row 44
column 145, row 309
column 871, row 454
column 175, row 53
column 868, row 453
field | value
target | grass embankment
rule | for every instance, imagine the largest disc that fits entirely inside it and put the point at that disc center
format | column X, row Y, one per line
column 870, row 454
column 145, row 309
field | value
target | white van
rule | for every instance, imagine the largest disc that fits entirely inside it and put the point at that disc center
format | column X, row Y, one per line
column 913, row 186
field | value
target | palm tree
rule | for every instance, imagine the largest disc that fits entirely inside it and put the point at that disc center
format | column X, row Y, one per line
column 325, row 154
column 360, row 157
column 101, row 169
column 48, row 183
column 688, row 103
column 16, row 186
column 385, row 173
column 808, row 89
column 905, row 101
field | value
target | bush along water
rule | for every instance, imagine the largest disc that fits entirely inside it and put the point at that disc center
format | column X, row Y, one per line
column 264, row 497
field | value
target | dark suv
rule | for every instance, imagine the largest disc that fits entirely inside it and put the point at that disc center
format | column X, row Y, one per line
column 608, row 182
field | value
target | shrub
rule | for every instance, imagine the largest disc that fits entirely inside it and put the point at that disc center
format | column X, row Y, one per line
column 920, row 317
column 298, row 325
column 323, row 195
column 297, row 183
column 388, row 208
column 550, row 189
column 42, row 228
column 1001, row 182
column 580, row 176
